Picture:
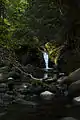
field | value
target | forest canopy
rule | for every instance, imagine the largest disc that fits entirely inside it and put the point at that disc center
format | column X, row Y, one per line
column 36, row 22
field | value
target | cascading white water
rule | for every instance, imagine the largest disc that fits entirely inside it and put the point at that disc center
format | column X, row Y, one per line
column 46, row 58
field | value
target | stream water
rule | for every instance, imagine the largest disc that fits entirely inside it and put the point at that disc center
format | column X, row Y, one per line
column 39, row 109
column 46, row 59
column 33, row 107
column 43, row 110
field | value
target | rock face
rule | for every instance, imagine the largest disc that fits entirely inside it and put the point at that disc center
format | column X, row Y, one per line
column 30, row 56
column 47, row 95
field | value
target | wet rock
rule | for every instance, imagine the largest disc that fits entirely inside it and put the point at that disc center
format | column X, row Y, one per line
column 4, row 69
column 76, row 100
column 1, row 101
column 62, row 89
column 69, row 60
column 7, row 97
column 35, row 89
column 3, row 113
column 22, row 88
column 74, row 89
column 10, row 78
column 47, row 95
column 10, row 92
column 52, row 88
column 20, row 96
column 24, row 102
column 1, row 76
column 63, row 79
column 34, row 97
column 61, row 74
column 3, row 87
column 74, row 76
column 14, row 74
column 10, row 83
column 69, row 118
column 29, row 68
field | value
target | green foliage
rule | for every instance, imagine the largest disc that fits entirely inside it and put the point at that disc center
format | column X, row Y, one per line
column 53, row 51
column 36, row 22
column 46, row 19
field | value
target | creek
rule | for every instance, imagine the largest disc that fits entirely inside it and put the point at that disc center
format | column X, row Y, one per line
column 22, row 101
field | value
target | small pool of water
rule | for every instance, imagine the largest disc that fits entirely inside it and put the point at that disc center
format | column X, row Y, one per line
column 36, row 108
column 43, row 110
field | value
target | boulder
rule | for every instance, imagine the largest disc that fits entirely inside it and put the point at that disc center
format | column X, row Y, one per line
column 14, row 74
column 47, row 95
column 3, row 87
column 21, row 88
column 76, row 100
column 63, row 79
column 4, row 69
column 52, row 88
column 74, row 89
column 1, row 76
column 72, row 77
column 24, row 102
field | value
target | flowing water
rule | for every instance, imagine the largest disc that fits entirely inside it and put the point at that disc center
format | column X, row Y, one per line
column 46, row 59
column 33, row 107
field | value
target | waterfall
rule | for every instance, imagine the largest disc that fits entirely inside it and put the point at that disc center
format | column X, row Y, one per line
column 45, row 55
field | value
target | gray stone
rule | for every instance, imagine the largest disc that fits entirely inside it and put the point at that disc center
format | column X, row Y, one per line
column 76, row 100
column 47, row 95
column 10, row 78
column 52, row 88
column 74, row 88
column 7, row 97
column 3, row 113
column 1, row 76
column 63, row 79
column 21, row 88
column 3, row 87
column 74, row 76
column 24, row 102
column 4, row 69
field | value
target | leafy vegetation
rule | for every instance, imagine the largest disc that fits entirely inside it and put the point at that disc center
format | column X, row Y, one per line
column 36, row 22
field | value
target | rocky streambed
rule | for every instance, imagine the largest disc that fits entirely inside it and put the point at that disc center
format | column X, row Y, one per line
column 24, row 98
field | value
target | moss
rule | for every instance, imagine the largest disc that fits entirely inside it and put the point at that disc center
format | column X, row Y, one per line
column 53, row 51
